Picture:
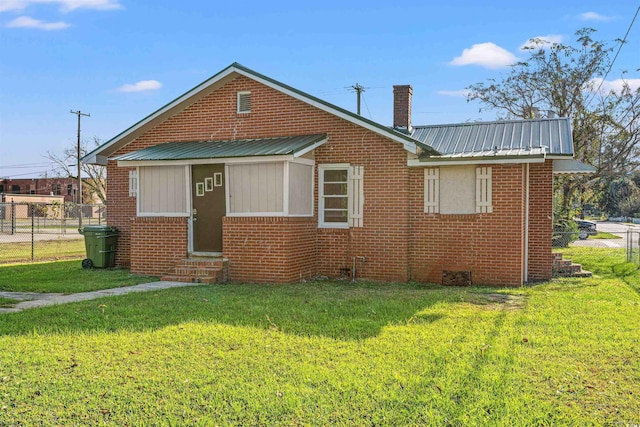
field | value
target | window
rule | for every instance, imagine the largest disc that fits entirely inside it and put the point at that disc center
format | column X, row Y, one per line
column 1, row 188
column 244, row 102
column 341, row 196
column 163, row 190
column 133, row 183
column 69, row 189
column 57, row 189
column 458, row 190
column 15, row 189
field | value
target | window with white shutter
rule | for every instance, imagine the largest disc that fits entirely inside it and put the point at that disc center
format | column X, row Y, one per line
column 356, row 201
column 483, row 190
column 432, row 190
column 133, row 183
column 341, row 196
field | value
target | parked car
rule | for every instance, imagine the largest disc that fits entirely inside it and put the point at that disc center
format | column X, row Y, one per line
column 586, row 228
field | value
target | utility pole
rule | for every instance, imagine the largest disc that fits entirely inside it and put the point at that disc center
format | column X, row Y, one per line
column 79, row 196
column 358, row 88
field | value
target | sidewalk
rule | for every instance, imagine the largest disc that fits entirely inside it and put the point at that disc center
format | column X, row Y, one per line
column 34, row 300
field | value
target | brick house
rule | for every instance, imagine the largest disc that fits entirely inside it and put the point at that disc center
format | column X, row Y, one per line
column 282, row 186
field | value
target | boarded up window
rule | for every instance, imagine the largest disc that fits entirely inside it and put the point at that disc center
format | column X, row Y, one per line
column 162, row 190
column 300, row 189
column 431, row 190
column 256, row 188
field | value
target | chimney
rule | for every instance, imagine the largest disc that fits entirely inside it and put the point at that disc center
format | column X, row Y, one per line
column 402, row 107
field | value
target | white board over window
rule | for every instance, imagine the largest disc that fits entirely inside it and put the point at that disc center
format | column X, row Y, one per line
column 162, row 191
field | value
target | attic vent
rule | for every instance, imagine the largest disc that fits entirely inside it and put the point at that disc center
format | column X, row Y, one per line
column 244, row 102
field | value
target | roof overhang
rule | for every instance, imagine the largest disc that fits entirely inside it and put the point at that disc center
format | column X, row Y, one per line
column 99, row 155
column 475, row 160
column 224, row 151
column 571, row 166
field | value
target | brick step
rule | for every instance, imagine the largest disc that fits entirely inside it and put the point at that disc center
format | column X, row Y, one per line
column 195, row 271
column 190, row 279
column 569, row 269
column 199, row 270
column 562, row 263
column 557, row 256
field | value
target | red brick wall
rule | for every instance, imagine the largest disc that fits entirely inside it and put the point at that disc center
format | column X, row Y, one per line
column 490, row 245
column 270, row 249
column 383, row 240
column 399, row 241
column 540, row 220
column 157, row 243
column 121, row 210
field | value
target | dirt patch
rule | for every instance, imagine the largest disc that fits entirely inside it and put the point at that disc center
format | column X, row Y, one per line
column 503, row 301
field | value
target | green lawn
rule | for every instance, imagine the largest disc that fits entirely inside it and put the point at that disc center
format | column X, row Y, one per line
column 48, row 249
column 332, row 353
column 64, row 277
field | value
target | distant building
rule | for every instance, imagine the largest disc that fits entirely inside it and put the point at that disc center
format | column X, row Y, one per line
column 66, row 187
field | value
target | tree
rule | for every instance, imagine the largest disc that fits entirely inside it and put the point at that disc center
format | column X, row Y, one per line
column 566, row 80
column 94, row 176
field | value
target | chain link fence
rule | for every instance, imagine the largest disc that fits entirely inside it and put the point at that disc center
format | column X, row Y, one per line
column 43, row 231
column 618, row 243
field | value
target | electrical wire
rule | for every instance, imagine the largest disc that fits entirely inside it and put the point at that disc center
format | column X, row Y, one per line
column 624, row 40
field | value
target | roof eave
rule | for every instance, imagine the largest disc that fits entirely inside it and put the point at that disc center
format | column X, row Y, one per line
column 471, row 160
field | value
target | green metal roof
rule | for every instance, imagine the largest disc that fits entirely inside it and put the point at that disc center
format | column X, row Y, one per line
column 288, row 145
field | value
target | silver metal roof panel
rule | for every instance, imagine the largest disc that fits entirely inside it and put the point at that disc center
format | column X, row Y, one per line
column 551, row 136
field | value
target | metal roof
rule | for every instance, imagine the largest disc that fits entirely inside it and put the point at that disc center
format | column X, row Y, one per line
column 571, row 167
column 289, row 145
column 506, row 137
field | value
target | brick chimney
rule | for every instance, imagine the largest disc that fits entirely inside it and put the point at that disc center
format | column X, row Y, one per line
column 402, row 107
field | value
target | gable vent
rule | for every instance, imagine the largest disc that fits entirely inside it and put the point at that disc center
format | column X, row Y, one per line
column 244, row 102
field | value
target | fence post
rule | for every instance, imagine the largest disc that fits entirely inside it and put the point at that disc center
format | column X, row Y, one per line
column 33, row 241
column 13, row 217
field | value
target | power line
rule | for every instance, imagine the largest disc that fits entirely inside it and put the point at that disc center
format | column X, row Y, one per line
column 622, row 42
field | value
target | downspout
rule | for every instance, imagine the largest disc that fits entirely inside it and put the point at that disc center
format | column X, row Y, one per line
column 526, row 225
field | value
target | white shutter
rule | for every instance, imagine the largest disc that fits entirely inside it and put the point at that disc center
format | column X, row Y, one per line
column 133, row 183
column 432, row 190
column 483, row 190
column 356, row 199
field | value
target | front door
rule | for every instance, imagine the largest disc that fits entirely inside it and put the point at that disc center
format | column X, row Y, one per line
column 207, row 189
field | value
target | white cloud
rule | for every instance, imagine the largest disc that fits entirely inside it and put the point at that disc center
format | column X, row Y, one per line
column 616, row 86
column 65, row 5
column 141, row 86
column 593, row 16
column 462, row 93
column 487, row 55
column 28, row 22
column 541, row 41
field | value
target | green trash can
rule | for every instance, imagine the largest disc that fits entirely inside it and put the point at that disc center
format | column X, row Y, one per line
column 100, row 242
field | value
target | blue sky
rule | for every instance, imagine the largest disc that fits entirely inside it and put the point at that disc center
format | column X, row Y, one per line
column 120, row 60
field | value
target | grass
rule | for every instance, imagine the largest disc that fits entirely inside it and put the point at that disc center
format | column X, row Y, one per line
column 605, row 235
column 7, row 302
column 64, row 277
column 47, row 249
column 332, row 353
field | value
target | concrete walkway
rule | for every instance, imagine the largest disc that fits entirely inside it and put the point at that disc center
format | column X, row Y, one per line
column 34, row 299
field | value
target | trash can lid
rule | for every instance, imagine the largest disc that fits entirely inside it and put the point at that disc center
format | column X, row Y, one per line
column 99, row 229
